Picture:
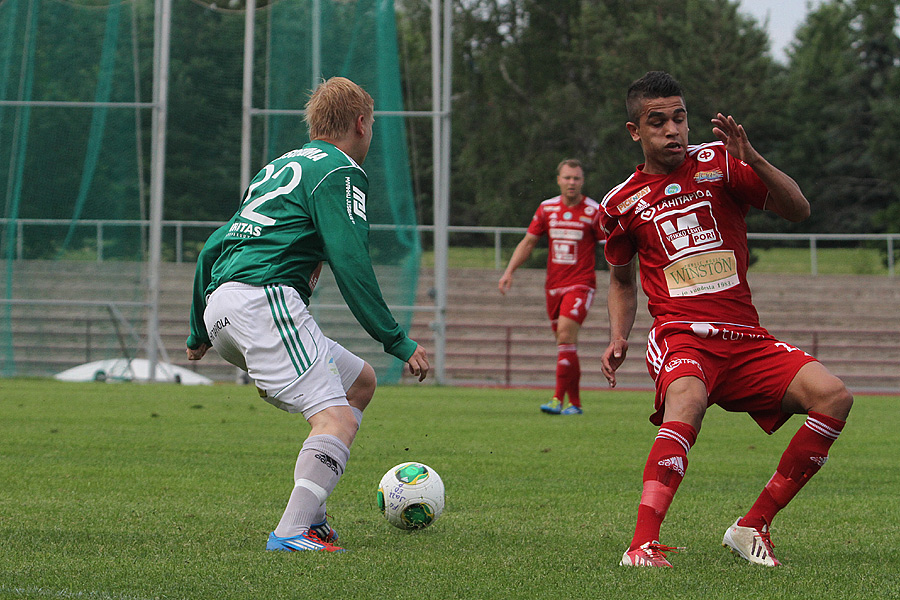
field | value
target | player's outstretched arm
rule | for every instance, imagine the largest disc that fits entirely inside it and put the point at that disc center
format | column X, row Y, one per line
column 418, row 363
column 785, row 197
column 622, row 303
column 520, row 255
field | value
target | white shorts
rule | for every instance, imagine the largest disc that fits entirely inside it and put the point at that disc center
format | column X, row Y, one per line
column 268, row 332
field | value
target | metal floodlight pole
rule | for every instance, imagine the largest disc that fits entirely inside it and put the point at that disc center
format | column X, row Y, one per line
column 247, row 99
column 439, row 199
column 316, row 43
column 162, row 34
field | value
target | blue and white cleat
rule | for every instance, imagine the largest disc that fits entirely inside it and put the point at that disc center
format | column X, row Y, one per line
column 571, row 409
column 553, row 407
column 298, row 543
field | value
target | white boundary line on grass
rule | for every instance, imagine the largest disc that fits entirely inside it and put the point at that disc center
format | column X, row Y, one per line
column 48, row 593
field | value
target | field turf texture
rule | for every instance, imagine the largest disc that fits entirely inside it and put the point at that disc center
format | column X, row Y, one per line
column 131, row 491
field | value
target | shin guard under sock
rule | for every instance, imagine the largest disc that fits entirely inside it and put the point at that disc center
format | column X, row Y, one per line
column 566, row 366
column 804, row 456
column 320, row 464
column 663, row 473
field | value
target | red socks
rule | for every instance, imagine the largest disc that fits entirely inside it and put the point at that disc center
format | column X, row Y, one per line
column 663, row 473
column 568, row 374
column 667, row 463
column 802, row 459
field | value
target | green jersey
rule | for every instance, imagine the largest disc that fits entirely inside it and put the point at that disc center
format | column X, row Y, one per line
column 302, row 209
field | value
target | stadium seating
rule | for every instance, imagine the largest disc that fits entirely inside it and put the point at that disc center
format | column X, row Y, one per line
column 851, row 323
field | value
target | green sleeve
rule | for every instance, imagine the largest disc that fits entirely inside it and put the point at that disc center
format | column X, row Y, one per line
column 342, row 225
column 202, row 278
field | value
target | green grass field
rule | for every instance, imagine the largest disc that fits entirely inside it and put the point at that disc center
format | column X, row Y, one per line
column 126, row 491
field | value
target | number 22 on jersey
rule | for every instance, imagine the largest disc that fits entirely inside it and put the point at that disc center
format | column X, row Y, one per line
column 252, row 205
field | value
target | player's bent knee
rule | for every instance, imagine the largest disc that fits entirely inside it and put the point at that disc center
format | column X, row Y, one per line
column 816, row 389
column 829, row 396
column 837, row 401
column 362, row 390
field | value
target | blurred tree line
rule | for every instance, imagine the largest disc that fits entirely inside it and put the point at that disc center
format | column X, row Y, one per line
column 537, row 81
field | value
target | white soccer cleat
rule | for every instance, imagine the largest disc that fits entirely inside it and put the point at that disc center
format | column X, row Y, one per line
column 751, row 544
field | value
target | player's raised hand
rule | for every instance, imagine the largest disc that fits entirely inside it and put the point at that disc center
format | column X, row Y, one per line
column 612, row 359
column 732, row 134
column 418, row 363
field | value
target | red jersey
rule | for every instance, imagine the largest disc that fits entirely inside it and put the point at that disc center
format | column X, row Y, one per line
column 573, row 232
column 689, row 233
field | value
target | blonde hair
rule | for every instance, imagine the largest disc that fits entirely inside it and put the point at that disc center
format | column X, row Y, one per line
column 333, row 107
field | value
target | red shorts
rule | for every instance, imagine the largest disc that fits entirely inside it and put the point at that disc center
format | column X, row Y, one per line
column 745, row 369
column 570, row 302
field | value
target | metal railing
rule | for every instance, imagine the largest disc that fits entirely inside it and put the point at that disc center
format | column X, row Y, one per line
column 496, row 234
column 510, row 356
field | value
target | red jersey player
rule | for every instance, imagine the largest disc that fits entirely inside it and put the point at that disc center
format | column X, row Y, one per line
column 571, row 222
column 682, row 214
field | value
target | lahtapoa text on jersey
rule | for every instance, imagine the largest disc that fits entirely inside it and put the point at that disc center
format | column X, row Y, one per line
column 302, row 209
column 688, row 229
column 573, row 233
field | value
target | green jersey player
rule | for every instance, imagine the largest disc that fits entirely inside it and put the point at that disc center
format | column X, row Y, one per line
column 252, row 286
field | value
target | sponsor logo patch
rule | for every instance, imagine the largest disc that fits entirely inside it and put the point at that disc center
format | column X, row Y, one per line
column 677, row 362
column 564, row 252
column 632, row 200
column 566, row 233
column 709, row 176
column 688, row 230
column 217, row 327
column 704, row 273
column 356, row 201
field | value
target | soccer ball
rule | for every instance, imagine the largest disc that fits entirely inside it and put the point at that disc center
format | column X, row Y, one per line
column 411, row 495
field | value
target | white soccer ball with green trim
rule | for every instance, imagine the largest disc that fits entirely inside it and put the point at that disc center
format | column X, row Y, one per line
column 411, row 495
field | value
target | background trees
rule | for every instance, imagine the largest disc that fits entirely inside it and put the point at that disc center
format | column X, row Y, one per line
column 536, row 81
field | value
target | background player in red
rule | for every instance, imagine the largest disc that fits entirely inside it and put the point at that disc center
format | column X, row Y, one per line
column 682, row 213
column 571, row 222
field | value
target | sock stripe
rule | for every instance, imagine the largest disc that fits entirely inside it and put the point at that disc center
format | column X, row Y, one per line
column 822, row 429
column 670, row 434
column 319, row 492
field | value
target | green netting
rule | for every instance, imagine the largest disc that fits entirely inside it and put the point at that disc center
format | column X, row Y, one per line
column 63, row 168
column 357, row 40
column 74, row 179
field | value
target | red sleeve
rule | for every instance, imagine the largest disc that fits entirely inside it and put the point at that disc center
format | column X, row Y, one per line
column 620, row 248
column 538, row 225
column 599, row 234
column 745, row 184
